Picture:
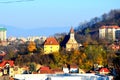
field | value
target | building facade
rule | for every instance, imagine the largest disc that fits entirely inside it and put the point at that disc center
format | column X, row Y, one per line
column 51, row 45
column 3, row 34
column 117, row 33
column 71, row 43
column 109, row 32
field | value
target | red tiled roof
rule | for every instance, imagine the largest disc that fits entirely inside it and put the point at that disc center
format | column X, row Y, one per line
column 111, row 27
column 46, row 72
column 51, row 41
column 44, row 68
column 73, row 66
column 3, row 63
column 102, row 27
column 115, row 47
column 104, row 70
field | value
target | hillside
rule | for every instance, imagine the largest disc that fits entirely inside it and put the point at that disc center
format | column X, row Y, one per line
column 111, row 18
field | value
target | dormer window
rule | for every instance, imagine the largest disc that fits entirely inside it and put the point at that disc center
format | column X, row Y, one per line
column 50, row 42
column 7, row 64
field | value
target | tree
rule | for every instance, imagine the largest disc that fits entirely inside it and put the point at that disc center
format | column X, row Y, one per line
column 87, row 31
column 116, row 63
column 22, row 49
column 32, row 67
column 31, row 47
column 11, row 54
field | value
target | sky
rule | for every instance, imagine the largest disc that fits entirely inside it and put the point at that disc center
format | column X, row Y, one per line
column 47, row 17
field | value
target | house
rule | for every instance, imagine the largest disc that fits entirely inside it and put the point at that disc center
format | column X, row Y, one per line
column 51, row 45
column 109, row 32
column 74, row 69
column 58, row 71
column 70, row 68
column 66, row 68
column 5, row 66
column 6, row 63
column 45, row 70
column 104, row 71
column 17, row 70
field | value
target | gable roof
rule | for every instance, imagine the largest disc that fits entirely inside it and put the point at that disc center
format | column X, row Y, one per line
column 3, row 63
column 104, row 70
column 73, row 66
column 109, row 27
column 44, row 68
column 51, row 41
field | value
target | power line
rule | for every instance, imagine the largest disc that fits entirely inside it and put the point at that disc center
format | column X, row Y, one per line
column 14, row 1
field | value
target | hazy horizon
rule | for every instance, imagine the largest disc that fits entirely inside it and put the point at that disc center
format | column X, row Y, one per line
column 19, row 32
column 56, row 16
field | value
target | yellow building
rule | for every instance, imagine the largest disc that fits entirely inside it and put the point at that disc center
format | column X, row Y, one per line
column 51, row 45
column 71, row 43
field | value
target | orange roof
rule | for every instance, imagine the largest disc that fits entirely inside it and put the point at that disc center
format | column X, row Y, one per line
column 3, row 63
column 73, row 66
column 47, row 72
column 71, row 30
column 109, row 27
column 51, row 41
column 102, row 27
column 44, row 68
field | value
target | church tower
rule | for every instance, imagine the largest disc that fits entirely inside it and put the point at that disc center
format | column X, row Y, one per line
column 72, row 43
column 72, row 34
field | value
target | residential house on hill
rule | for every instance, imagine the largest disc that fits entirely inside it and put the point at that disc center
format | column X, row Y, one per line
column 70, row 68
column 51, row 45
column 109, row 32
column 104, row 71
column 45, row 70
column 6, row 63
column 6, row 66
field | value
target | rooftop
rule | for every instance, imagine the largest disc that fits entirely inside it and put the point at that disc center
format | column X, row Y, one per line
column 2, row 29
column 3, row 63
column 110, row 27
column 51, row 41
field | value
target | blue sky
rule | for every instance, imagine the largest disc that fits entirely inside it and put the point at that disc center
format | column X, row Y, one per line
column 43, row 17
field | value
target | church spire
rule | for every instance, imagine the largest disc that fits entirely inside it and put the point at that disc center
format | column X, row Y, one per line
column 71, row 30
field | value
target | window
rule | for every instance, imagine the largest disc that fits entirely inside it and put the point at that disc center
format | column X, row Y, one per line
column 51, row 47
column 51, row 51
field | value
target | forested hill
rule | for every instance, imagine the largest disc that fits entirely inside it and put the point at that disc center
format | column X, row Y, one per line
column 111, row 18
